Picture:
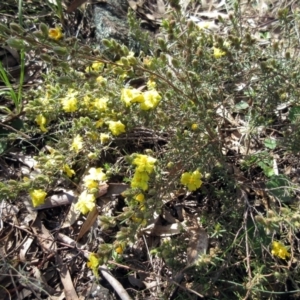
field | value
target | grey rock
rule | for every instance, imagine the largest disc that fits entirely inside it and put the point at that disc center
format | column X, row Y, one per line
column 111, row 21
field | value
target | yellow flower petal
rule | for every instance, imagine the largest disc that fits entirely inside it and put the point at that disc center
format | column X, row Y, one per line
column 68, row 170
column 191, row 180
column 37, row 197
column 100, row 103
column 116, row 128
column 140, row 198
column 94, row 263
column 194, row 126
column 129, row 96
column 69, row 104
column 278, row 249
column 55, row 33
column 218, row 52
column 77, row 143
column 104, row 138
column 41, row 121
column 97, row 174
column 140, row 180
column 86, row 202
column 151, row 100
column 144, row 163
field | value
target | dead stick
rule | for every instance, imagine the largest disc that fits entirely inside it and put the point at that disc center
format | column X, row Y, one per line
column 114, row 283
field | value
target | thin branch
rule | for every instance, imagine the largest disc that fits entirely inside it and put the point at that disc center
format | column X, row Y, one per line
column 114, row 283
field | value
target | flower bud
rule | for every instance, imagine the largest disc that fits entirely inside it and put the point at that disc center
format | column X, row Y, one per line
column 288, row 55
column 39, row 34
column 46, row 58
column 175, row 63
column 169, row 74
column 60, row 50
column 172, row 23
column 125, row 50
column 195, row 63
column 163, row 57
column 162, row 44
column 106, row 43
column 124, row 61
column 44, row 29
column 16, row 28
column 275, row 46
column 85, row 49
column 132, row 60
column 191, row 25
column 3, row 29
column 118, row 70
column 260, row 219
column 16, row 43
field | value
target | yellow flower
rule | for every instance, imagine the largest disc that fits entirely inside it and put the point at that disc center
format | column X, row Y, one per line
column 147, row 61
column 218, row 52
column 194, row 126
column 86, row 202
column 151, row 84
column 191, row 180
column 100, row 103
column 140, row 198
column 92, row 155
column 119, row 249
column 97, row 174
column 99, row 123
column 37, row 197
column 55, row 33
column 204, row 25
column 92, row 135
column 96, row 67
column 144, row 163
column 140, row 180
column 116, row 128
column 94, row 263
column 69, row 104
column 50, row 162
column 77, row 143
column 129, row 96
column 87, row 102
column 104, row 138
column 278, row 249
column 41, row 121
column 101, row 80
column 70, row 172
column 90, row 183
column 136, row 219
column 152, row 98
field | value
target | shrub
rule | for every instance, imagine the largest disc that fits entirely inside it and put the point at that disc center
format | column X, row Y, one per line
column 161, row 120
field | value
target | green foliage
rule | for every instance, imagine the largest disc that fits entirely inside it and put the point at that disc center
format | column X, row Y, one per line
column 155, row 117
column 9, row 91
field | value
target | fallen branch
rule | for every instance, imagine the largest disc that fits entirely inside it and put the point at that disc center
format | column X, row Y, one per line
column 114, row 283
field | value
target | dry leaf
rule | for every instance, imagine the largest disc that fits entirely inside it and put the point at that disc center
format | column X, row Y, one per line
column 66, row 279
column 198, row 244
column 25, row 247
column 65, row 197
column 74, row 5
column 163, row 231
column 88, row 223
column 136, row 282
column 44, row 237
